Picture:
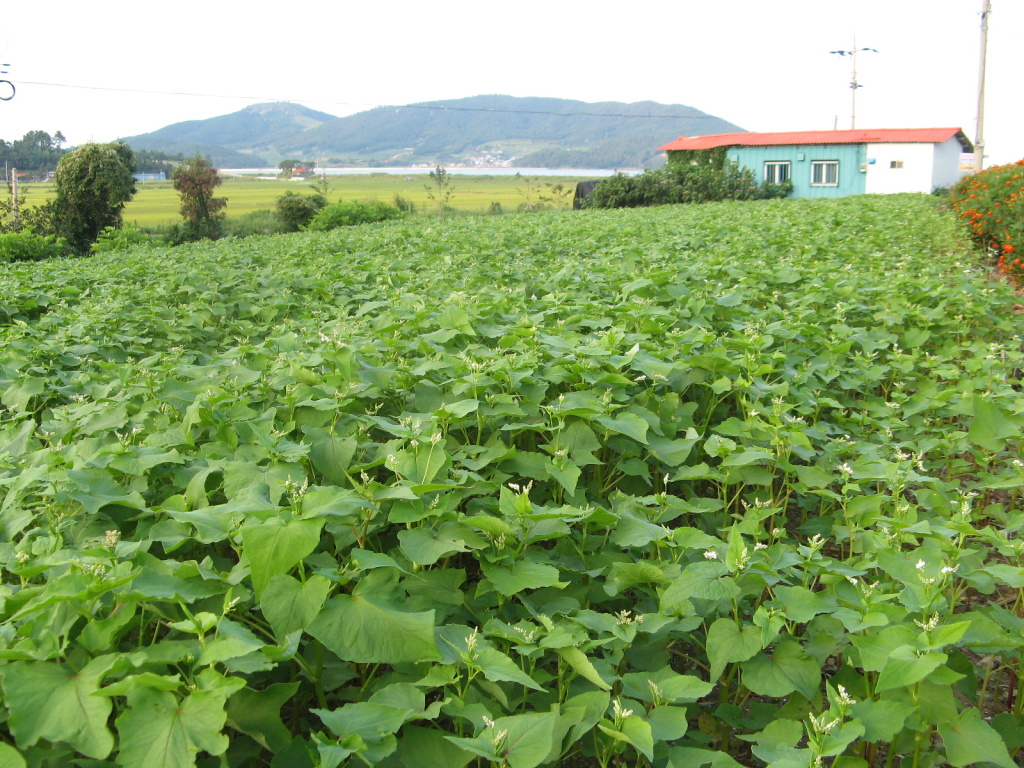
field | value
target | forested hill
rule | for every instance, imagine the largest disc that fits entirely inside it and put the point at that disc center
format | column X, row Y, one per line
column 535, row 131
column 238, row 139
column 539, row 131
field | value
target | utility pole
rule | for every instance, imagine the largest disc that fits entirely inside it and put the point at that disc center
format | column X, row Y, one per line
column 979, row 137
column 14, row 196
column 854, row 85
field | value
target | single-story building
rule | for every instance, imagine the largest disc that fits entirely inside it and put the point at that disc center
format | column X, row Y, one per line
column 837, row 163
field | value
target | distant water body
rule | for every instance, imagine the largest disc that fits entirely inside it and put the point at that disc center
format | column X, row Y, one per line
column 410, row 171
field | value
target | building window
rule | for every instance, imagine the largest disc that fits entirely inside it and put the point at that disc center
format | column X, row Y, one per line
column 824, row 173
column 776, row 172
column 895, row 163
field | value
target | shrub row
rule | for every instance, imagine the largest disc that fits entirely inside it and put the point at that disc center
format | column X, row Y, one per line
column 682, row 184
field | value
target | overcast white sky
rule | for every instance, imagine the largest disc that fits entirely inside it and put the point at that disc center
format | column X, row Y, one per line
column 111, row 68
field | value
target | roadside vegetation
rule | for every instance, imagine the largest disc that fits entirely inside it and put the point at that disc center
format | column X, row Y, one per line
column 730, row 484
column 989, row 204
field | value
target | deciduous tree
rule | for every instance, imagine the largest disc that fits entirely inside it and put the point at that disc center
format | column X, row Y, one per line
column 93, row 184
column 195, row 180
column 440, row 188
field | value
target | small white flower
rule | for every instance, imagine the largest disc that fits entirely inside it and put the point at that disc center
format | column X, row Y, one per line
column 821, row 726
column 620, row 713
column 710, row 554
column 920, row 564
column 742, row 559
column 528, row 636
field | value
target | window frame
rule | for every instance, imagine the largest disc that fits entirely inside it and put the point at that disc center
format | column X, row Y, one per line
column 776, row 165
column 825, row 165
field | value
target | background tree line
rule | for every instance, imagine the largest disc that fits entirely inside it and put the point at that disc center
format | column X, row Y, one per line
column 37, row 153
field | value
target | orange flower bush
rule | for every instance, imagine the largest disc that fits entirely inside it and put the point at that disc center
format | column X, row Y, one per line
column 989, row 204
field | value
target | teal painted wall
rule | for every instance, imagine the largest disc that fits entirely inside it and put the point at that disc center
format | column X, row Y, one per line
column 850, row 157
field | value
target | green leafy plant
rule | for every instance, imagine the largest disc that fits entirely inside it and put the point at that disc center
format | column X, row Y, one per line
column 347, row 214
column 653, row 487
column 123, row 238
column 28, row 246
column 295, row 211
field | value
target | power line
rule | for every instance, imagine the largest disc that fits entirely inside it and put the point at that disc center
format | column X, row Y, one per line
column 700, row 116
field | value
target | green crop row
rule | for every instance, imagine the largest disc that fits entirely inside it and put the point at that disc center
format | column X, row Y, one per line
column 735, row 484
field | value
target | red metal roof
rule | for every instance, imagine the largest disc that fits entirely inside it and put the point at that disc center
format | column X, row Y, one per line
column 856, row 136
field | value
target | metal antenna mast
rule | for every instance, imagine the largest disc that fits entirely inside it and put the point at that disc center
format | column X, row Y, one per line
column 854, row 85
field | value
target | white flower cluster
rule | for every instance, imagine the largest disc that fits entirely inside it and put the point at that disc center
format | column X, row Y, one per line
column 822, row 724
column 620, row 713
column 626, row 617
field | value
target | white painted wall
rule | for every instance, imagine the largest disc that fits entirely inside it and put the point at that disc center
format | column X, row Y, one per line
column 925, row 167
column 947, row 164
column 915, row 176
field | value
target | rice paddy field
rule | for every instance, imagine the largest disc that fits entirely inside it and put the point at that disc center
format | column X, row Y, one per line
column 156, row 203
column 722, row 485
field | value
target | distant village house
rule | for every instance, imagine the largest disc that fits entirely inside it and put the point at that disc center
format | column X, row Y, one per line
column 838, row 163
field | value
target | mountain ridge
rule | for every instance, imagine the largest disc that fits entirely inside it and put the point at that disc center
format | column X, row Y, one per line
column 486, row 129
